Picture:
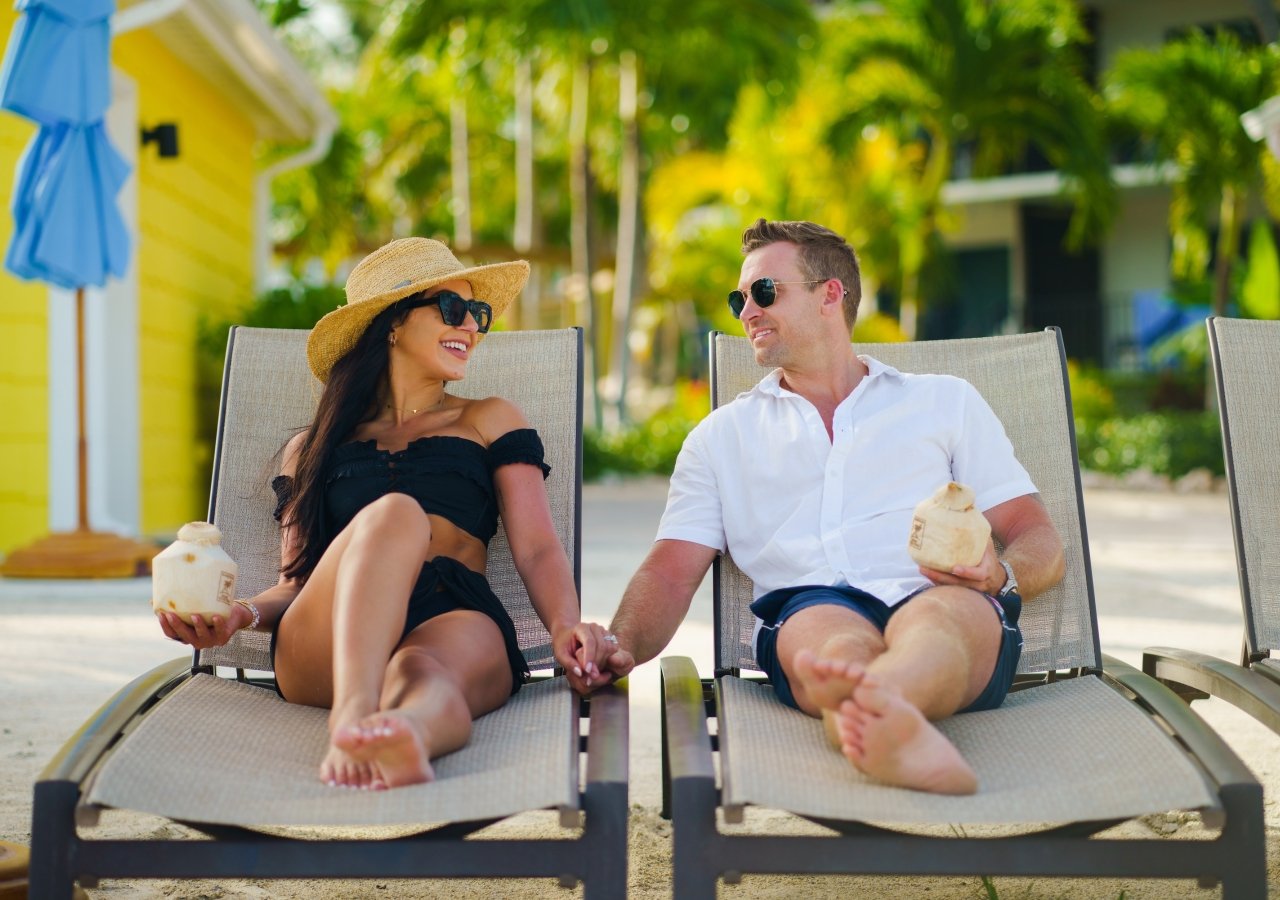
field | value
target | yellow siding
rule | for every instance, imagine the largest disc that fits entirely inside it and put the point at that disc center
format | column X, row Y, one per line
column 194, row 255
column 195, row 259
column 24, row 366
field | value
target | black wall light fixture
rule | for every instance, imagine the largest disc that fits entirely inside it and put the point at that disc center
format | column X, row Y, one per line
column 165, row 137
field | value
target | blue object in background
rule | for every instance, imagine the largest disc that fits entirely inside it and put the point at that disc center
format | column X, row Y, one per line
column 1156, row 317
column 57, row 65
column 68, row 230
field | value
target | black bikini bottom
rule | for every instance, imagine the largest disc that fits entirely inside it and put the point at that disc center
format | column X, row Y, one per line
column 443, row 585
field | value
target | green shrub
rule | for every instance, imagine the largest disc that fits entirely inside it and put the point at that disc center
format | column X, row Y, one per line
column 878, row 328
column 1168, row 443
column 1091, row 397
column 651, row 447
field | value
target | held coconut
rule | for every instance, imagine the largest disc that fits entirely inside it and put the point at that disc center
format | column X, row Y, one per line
column 194, row 575
column 947, row 530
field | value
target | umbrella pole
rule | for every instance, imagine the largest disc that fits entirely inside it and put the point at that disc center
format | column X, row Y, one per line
column 82, row 553
column 82, row 443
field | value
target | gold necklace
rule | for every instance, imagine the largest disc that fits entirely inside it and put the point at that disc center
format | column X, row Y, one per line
column 413, row 412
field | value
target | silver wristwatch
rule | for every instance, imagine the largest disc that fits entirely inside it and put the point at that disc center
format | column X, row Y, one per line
column 1011, row 584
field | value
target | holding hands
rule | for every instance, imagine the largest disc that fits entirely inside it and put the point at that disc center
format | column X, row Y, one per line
column 590, row 656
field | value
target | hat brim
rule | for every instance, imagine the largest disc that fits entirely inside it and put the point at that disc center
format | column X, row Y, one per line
column 332, row 338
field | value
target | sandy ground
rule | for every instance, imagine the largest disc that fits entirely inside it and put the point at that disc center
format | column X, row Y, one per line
column 1164, row 572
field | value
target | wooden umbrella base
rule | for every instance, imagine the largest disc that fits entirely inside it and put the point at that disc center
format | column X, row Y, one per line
column 13, row 871
column 80, row 554
column 14, row 860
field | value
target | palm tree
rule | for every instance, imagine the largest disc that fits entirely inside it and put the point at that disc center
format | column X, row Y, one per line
column 996, row 76
column 1186, row 99
column 687, row 59
column 692, row 61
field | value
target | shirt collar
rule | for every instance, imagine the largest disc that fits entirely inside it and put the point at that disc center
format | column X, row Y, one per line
column 771, row 384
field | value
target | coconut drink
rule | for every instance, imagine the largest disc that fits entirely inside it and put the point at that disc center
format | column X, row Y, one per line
column 947, row 530
column 194, row 575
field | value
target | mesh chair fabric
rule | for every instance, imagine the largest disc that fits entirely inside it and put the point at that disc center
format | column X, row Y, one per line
column 520, row 757
column 1247, row 353
column 1031, row 756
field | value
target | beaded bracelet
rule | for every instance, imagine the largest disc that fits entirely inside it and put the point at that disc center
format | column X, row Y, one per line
column 257, row 616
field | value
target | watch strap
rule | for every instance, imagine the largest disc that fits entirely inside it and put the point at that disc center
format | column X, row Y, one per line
column 1011, row 582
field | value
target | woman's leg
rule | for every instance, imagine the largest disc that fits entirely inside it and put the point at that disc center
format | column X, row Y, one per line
column 449, row 670
column 337, row 636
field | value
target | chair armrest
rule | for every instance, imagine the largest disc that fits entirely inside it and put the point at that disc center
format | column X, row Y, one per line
column 1212, row 752
column 79, row 754
column 1255, row 694
column 607, row 743
column 687, row 743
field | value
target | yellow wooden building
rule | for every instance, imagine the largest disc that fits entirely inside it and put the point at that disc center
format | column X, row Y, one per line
column 214, row 70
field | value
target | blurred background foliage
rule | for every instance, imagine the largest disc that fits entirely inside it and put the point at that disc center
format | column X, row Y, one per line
column 622, row 146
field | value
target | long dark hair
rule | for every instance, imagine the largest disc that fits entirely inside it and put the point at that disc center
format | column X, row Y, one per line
column 350, row 396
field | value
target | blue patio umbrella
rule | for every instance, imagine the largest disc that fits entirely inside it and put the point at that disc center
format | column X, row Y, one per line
column 68, row 230
column 57, row 62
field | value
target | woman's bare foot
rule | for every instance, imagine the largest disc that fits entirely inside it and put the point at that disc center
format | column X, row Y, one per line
column 341, row 769
column 390, row 746
column 889, row 739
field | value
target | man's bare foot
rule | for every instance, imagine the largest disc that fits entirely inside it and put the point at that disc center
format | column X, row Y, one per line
column 391, row 747
column 887, row 738
column 826, row 683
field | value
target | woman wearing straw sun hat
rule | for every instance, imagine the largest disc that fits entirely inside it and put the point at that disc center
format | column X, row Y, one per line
column 387, row 503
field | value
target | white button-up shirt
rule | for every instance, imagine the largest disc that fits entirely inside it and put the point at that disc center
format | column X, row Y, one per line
column 761, row 478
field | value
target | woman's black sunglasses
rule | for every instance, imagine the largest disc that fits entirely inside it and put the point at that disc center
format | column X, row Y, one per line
column 764, row 291
column 453, row 308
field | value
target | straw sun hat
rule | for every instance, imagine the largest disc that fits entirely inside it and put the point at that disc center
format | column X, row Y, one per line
column 395, row 271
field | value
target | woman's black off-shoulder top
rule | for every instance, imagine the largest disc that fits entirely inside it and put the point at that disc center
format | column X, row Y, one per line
column 449, row 476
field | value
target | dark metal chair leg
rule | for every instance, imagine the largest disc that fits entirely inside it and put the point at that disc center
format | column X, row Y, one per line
column 693, row 830
column 606, row 866
column 53, row 836
column 1244, row 875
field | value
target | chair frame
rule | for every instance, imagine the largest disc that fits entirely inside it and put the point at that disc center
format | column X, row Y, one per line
column 703, row 853
column 60, row 856
column 1194, row 676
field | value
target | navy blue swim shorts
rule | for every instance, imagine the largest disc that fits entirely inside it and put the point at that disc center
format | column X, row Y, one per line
column 776, row 607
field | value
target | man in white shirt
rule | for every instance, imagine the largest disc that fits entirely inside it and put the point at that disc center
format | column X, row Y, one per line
column 809, row 480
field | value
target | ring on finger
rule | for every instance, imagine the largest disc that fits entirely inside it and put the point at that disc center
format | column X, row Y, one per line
column 611, row 638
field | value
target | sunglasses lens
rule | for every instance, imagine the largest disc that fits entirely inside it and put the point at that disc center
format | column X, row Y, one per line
column 736, row 301
column 453, row 309
column 483, row 314
column 763, row 292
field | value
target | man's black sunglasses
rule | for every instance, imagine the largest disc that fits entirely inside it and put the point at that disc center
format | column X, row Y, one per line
column 454, row 308
column 764, row 291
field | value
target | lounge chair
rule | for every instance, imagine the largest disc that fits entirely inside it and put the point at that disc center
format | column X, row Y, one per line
column 1246, row 368
column 205, row 741
column 1085, row 743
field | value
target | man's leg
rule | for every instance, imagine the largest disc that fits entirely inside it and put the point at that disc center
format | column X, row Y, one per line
column 940, row 652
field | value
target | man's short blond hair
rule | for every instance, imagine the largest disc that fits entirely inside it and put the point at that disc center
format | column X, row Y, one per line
column 823, row 254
